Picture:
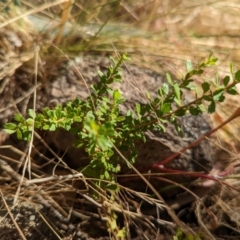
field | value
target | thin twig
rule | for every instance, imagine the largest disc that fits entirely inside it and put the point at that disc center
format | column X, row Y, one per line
column 195, row 143
column 11, row 216
column 18, row 100
column 171, row 213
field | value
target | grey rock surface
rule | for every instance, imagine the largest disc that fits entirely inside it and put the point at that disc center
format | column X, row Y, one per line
column 136, row 82
column 66, row 82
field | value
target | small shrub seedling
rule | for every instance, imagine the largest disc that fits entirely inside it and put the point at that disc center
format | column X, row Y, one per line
column 99, row 125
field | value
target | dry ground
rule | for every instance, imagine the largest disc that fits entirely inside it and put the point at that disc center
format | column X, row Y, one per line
column 159, row 35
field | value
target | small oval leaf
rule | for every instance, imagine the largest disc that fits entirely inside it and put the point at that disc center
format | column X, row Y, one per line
column 205, row 87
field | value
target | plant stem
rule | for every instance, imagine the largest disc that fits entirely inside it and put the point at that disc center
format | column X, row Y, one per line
column 160, row 164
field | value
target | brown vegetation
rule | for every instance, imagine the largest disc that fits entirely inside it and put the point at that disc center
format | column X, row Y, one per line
column 57, row 201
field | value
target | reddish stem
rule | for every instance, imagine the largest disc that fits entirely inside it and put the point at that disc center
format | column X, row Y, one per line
column 204, row 175
column 161, row 163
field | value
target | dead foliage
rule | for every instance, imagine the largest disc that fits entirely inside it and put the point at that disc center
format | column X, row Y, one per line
column 43, row 196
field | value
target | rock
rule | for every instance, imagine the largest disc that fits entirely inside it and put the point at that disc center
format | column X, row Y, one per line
column 64, row 84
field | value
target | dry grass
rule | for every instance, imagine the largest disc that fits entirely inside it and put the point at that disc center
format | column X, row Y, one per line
column 161, row 35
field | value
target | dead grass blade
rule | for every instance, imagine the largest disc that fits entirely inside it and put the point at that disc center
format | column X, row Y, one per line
column 12, row 217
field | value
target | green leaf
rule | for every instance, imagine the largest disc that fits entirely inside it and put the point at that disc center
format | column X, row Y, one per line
column 122, row 233
column 38, row 124
column 237, row 76
column 52, row 127
column 100, row 74
column 125, row 57
column 31, row 113
column 26, row 136
column 193, row 72
column 177, row 91
column 178, row 102
column 103, row 143
column 165, row 88
column 10, row 126
column 118, row 77
column 194, row 111
column 77, row 101
column 191, row 86
column 212, row 107
column 77, row 119
column 160, row 127
column 207, row 98
column 156, row 101
column 113, row 187
column 138, row 109
column 106, row 175
column 9, row 131
column 217, row 95
column 59, row 113
column 211, row 61
column 181, row 112
column 30, row 121
column 18, row 117
column 198, row 72
column 166, row 108
column 19, row 134
column 187, row 84
column 46, row 126
column 205, row 87
column 169, row 79
column 116, row 95
column 163, row 120
column 232, row 91
column 90, row 172
column 112, row 225
column 148, row 95
column 112, row 60
column 78, row 144
column 202, row 108
column 221, row 98
column 189, row 65
column 226, row 81
column 160, row 92
column 120, row 119
column 120, row 100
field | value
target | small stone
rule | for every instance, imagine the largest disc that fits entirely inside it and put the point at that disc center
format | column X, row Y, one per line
column 32, row 217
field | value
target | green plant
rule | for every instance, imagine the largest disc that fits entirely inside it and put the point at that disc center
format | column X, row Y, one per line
column 180, row 236
column 100, row 126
